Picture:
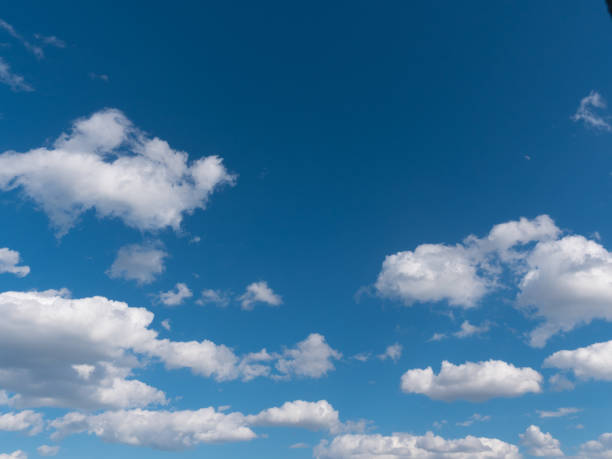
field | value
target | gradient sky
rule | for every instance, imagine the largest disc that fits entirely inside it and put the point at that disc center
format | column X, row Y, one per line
column 333, row 230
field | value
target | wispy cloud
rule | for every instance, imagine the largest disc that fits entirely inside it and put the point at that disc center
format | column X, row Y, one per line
column 558, row 413
column 587, row 112
column 16, row 82
column 51, row 40
column 36, row 50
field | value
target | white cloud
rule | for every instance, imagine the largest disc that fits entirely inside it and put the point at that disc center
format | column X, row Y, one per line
column 474, row 418
column 81, row 353
column 210, row 296
column 166, row 324
column 106, row 164
column 9, row 263
column 312, row 357
column 14, row 455
column 36, row 50
column 259, row 292
column 176, row 296
column 461, row 274
column 540, row 444
column 404, row 445
column 559, row 382
column 558, row 413
column 16, row 82
column 51, row 40
column 299, row 446
column 178, row 430
column 587, row 114
column 472, row 381
column 590, row 362
column 141, row 263
column 467, row 329
column 363, row 356
column 393, row 352
column 307, row 415
column 22, row 421
column 47, row 450
column 165, row 430
column 597, row 449
column 568, row 282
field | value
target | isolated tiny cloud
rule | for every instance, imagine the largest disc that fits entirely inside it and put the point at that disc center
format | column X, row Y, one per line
column 405, row 445
column 9, row 263
column 472, row 381
column 587, row 112
column 47, row 450
column 558, row 413
column 540, row 444
column 106, row 164
column 14, row 81
column 175, row 296
column 139, row 262
column 393, row 352
column 259, row 292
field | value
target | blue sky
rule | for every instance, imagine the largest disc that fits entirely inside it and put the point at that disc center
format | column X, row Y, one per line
column 335, row 230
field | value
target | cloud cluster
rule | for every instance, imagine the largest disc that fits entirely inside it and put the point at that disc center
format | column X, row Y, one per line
column 597, row 449
column 562, row 281
column 404, row 445
column 179, row 430
column 108, row 165
column 540, row 444
column 82, row 353
column 22, row 421
column 472, row 381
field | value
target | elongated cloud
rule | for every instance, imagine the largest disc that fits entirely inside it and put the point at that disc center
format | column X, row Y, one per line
column 106, row 164
column 589, row 362
column 472, row 381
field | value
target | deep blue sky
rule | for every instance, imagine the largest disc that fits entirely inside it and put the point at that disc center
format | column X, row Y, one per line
column 356, row 130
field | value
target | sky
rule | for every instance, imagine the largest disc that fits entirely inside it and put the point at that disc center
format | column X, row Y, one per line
column 333, row 230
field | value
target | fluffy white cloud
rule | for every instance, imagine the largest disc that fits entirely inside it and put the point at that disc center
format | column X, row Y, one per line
column 467, row 329
column 312, row 357
column 393, row 352
column 178, row 430
column 106, row 164
column 176, row 296
column 259, row 292
column 568, row 282
column 14, row 455
column 307, row 415
column 22, row 421
column 81, row 353
column 141, row 263
column 9, row 263
column 48, row 450
column 210, row 296
column 540, row 444
column 461, row 274
column 165, row 430
column 473, row 381
column 403, row 445
column 587, row 114
column 597, row 449
column 590, row 362
column 558, row 413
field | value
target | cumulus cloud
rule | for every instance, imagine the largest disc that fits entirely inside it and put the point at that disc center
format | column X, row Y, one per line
column 141, row 263
column 22, row 421
column 568, row 282
column 597, row 449
column 590, row 362
column 9, row 263
column 587, row 112
column 259, row 292
column 104, row 163
column 467, row 329
column 179, row 430
column 540, row 444
column 48, row 450
column 312, row 357
column 210, row 296
column 81, row 353
column 14, row 81
column 404, row 445
column 562, row 281
column 461, row 274
column 176, row 296
column 393, row 352
column 472, row 381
